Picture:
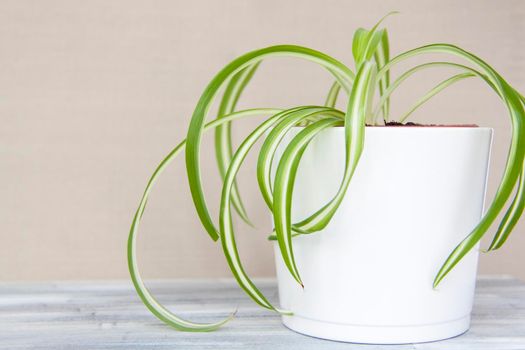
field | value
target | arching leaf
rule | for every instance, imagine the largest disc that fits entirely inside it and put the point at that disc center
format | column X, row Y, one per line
column 341, row 73
column 223, row 138
column 145, row 295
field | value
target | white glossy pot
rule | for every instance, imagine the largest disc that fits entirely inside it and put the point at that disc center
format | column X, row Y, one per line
column 417, row 192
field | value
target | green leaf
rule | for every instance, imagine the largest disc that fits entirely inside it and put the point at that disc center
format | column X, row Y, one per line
column 333, row 93
column 359, row 43
column 271, row 143
column 365, row 43
column 341, row 73
column 391, row 88
column 382, row 56
column 514, row 212
column 284, row 181
column 145, row 295
column 511, row 217
column 516, row 152
column 359, row 106
column 223, row 140
column 374, row 44
column 227, row 233
column 434, row 91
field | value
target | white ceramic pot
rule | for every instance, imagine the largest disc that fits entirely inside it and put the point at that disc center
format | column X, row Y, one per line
column 416, row 193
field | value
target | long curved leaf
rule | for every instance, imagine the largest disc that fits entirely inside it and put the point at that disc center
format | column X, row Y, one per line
column 227, row 233
column 284, row 181
column 434, row 91
column 511, row 217
column 145, row 295
column 516, row 152
column 270, row 145
column 223, row 139
column 386, row 95
column 359, row 106
column 517, row 206
column 514, row 212
column 342, row 74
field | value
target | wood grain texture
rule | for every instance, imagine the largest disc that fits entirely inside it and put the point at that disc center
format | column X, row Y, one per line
column 109, row 315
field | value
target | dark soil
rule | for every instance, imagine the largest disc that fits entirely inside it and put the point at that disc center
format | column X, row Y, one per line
column 398, row 124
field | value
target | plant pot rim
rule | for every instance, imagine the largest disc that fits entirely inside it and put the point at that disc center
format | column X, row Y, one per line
column 425, row 128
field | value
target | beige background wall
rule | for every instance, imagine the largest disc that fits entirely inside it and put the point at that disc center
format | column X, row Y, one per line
column 94, row 93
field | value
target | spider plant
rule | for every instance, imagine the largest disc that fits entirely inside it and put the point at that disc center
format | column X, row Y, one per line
column 367, row 88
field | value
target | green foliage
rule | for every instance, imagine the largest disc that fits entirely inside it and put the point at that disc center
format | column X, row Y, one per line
column 373, row 65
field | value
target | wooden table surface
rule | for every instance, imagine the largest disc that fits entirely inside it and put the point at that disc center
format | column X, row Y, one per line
column 109, row 315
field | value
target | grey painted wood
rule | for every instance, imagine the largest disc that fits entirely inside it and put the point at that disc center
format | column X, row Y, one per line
column 109, row 315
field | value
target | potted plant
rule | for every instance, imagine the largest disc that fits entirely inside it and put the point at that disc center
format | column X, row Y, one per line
column 359, row 258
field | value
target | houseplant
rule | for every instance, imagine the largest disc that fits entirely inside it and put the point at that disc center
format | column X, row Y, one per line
column 293, row 136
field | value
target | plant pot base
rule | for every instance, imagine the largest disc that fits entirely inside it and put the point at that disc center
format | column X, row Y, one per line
column 377, row 334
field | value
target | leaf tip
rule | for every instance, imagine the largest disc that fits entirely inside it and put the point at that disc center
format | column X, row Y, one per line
column 249, row 223
column 492, row 247
column 435, row 284
column 284, row 312
column 437, row 280
column 234, row 313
